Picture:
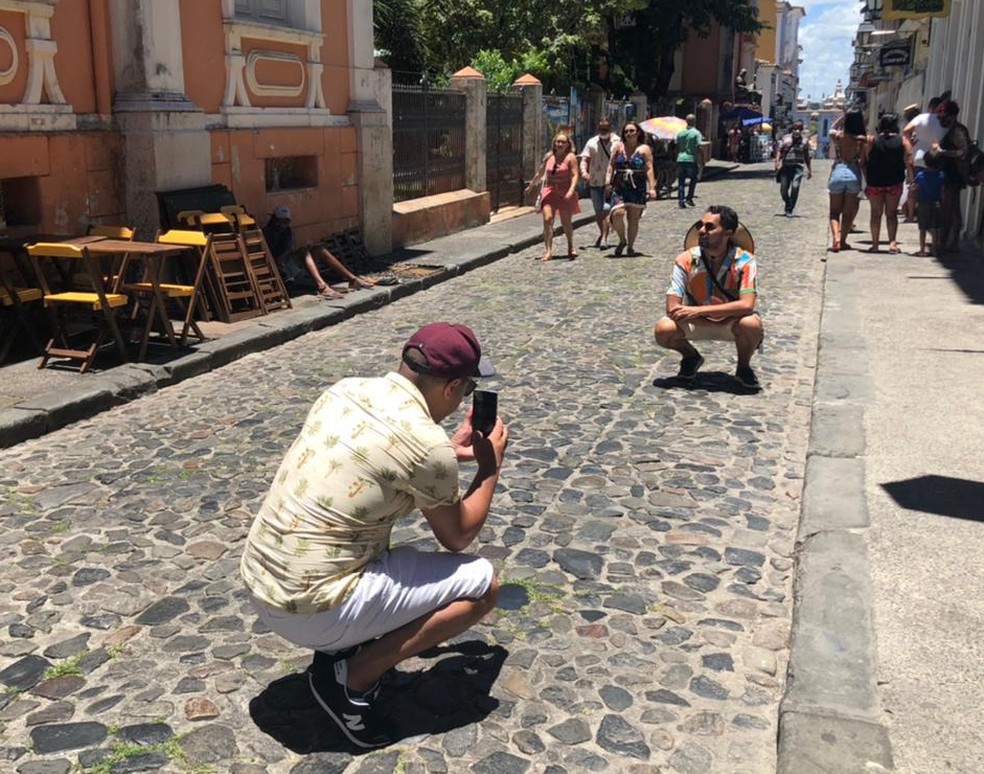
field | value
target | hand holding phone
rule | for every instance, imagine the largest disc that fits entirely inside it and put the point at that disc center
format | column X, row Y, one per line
column 485, row 410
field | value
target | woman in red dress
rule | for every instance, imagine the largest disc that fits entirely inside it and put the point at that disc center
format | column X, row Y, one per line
column 559, row 175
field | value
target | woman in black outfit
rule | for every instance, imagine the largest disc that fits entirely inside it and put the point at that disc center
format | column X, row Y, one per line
column 885, row 175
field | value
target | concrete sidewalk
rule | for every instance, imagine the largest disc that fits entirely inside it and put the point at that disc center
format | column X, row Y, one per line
column 34, row 402
column 885, row 660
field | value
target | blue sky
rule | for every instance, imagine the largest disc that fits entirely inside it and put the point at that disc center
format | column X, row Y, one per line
column 825, row 34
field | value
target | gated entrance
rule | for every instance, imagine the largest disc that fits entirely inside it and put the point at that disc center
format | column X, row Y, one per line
column 504, row 149
column 428, row 140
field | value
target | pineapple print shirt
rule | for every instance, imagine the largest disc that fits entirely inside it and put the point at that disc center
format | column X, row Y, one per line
column 368, row 454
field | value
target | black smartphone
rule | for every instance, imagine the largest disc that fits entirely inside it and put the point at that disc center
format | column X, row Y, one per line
column 485, row 409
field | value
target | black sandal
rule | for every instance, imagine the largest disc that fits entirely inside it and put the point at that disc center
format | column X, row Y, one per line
column 620, row 249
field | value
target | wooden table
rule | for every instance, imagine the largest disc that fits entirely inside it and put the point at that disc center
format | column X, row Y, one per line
column 152, row 253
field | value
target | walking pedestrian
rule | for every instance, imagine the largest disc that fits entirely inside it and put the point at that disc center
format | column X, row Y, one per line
column 954, row 149
column 688, row 152
column 712, row 295
column 848, row 140
column 792, row 161
column 907, row 204
column 885, row 176
column 317, row 560
column 633, row 183
column 558, row 175
column 594, row 158
column 929, row 213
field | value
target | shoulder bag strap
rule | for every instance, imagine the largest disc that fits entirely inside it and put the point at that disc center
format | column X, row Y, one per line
column 717, row 283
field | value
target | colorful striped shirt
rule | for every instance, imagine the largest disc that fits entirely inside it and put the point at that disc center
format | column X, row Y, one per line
column 693, row 284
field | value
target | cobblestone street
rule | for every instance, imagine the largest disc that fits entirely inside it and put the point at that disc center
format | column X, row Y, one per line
column 644, row 533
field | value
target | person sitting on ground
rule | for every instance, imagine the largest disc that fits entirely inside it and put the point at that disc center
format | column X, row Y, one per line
column 279, row 236
column 317, row 559
column 712, row 295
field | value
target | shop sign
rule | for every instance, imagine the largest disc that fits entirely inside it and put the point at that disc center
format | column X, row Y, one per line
column 915, row 9
column 895, row 55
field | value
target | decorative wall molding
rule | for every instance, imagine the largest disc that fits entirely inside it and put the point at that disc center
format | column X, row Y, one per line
column 258, row 55
column 11, row 72
column 240, row 67
column 31, row 113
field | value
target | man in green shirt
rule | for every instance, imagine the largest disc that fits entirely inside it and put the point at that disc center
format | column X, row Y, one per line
column 688, row 150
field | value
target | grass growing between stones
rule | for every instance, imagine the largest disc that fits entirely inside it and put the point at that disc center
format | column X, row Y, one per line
column 170, row 749
column 70, row 666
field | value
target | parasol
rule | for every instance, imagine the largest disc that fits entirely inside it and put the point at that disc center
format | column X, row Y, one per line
column 664, row 127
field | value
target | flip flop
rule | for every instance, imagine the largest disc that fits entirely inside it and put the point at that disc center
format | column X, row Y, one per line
column 632, row 253
column 329, row 293
column 572, row 255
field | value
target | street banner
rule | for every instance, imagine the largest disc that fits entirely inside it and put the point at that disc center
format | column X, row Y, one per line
column 915, row 9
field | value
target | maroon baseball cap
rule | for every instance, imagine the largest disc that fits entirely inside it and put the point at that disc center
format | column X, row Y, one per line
column 451, row 350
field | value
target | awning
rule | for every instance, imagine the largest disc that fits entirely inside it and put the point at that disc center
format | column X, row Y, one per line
column 745, row 114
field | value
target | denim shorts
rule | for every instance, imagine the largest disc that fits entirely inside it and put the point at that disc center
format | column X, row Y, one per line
column 598, row 199
column 844, row 178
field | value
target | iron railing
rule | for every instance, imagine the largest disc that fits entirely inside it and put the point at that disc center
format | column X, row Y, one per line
column 504, row 149
column 428, row 139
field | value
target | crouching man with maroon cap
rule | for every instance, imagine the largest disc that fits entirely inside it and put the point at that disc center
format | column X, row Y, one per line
column 317, row 559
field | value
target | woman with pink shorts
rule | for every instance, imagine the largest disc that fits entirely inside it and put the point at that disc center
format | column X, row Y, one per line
column 885, row 173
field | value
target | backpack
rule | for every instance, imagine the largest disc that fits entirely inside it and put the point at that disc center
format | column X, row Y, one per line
column 975, row 165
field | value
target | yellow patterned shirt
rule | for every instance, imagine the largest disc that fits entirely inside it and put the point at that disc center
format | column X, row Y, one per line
column 368, row 454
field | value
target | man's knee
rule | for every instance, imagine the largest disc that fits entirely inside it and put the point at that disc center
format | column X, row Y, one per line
column 666, row 332
column 748, row 328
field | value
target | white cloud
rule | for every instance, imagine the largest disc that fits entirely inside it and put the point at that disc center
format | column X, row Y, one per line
column 826, row 33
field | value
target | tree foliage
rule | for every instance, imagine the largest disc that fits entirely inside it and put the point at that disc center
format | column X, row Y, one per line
column 561, row 43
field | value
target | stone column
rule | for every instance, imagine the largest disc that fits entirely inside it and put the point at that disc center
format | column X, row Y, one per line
column 370, row 110
column 532, row 91
column 472, row 83
column 641, row 103
column 165, row 143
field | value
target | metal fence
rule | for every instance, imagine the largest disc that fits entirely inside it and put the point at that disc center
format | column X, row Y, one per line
column 504, row 149
column 428, row 139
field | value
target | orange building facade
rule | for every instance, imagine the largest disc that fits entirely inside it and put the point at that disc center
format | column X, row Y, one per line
column 105, row 103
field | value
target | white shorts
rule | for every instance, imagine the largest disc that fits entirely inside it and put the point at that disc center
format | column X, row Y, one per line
column 399, row 587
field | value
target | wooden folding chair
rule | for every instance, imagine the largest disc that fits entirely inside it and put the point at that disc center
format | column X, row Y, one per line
column 269, row 284
column 95, row 303
column 189, row 218
column 16, row 299
column 241, row 219
column 230, row 280
column 185, row 296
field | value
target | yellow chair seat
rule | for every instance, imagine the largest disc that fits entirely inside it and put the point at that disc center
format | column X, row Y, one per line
column 24, row 295
column 169, row 290
column 90, row 299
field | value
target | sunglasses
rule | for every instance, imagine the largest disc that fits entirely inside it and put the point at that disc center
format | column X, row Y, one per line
column 470, row 385
column 629, row 131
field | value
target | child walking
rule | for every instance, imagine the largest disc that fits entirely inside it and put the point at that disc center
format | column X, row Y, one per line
column 929, row 213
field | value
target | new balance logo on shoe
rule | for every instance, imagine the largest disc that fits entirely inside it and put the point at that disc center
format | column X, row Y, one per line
column 353, row 722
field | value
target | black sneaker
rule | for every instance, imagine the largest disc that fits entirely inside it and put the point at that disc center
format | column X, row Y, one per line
column 746, row 377
column 691, row 203
column 354, row 716
column 689, row 366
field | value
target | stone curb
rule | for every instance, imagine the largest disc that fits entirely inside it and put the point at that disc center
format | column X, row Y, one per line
column 829, row 716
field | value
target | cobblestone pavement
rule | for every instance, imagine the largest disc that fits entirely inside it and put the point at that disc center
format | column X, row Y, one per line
column 644, row 534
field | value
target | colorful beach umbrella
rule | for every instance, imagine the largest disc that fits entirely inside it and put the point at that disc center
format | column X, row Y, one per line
column 663, row 127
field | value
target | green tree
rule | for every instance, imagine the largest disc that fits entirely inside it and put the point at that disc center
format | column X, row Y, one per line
column 647, row 49
column 560, row 43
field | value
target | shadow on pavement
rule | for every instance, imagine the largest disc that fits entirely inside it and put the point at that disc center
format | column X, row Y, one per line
column 452, row 693
column 706, row 381
column 958, row 498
